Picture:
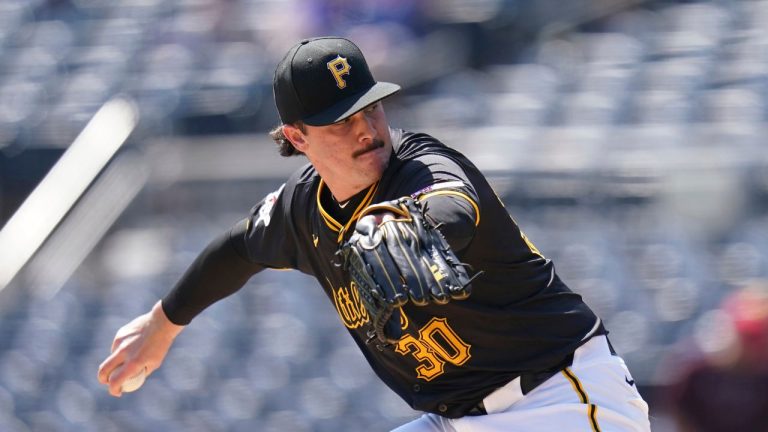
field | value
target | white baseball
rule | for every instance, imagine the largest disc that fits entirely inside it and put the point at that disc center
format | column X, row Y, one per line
column 133, row 383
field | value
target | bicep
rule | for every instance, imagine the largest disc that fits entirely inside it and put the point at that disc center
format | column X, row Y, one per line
column 266, row 237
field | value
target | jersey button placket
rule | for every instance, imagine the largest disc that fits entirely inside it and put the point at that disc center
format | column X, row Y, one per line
column 442, row 407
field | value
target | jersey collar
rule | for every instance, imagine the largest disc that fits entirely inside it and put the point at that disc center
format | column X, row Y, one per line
column 337, row 226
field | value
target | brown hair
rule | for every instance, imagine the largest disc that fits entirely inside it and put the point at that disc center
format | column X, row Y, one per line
column 284, row 146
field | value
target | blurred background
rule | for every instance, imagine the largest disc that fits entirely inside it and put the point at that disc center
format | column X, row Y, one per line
column 626, row 137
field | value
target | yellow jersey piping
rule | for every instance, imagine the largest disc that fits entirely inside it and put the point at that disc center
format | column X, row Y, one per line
column 457, row 193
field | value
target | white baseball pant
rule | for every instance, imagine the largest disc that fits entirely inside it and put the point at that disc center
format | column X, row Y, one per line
column 596, row 393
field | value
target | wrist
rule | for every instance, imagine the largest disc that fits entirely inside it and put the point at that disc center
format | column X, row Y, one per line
column 160, row 318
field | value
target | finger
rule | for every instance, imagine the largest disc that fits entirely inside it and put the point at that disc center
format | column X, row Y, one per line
column 386, row 277
column 367, row 224
column 125, row 332
column 442, row 280
column 115, row 381
column 109, row 365
column 115, row 389
column 392, row 329
column 401, row 244
column 456, row 284
column 122, row 373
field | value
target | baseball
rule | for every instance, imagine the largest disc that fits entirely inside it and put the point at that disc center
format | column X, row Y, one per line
column 133, row 383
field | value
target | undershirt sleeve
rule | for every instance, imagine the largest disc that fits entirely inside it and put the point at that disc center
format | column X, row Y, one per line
column 255, row 243
column 219, row 271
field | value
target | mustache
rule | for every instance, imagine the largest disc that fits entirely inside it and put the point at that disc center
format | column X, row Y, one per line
column 375, row 144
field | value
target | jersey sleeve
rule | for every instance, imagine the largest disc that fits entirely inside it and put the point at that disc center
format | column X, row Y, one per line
column 266, row 238
column 450, row 199
column 256, row 242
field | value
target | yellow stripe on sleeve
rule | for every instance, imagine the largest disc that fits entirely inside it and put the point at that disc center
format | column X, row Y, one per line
column 459, row 194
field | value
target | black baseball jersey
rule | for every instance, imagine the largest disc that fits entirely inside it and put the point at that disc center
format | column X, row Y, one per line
column 520, row 317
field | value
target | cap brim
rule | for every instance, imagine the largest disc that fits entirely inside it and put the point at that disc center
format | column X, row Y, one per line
column 352, row 104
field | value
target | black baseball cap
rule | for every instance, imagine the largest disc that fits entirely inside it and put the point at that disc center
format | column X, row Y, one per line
column 324, row 80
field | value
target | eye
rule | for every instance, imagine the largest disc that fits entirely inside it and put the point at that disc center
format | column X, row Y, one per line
column 371, row 108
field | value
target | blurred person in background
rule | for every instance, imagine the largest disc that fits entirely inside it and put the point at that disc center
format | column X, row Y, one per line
column 726, row 388
column 522, row 352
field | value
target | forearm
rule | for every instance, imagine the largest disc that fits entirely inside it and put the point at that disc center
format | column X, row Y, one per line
column 163, row 323
column 142, row 344
column 217, row 272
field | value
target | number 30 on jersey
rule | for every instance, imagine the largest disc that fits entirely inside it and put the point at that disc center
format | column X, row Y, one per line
column 436, row 345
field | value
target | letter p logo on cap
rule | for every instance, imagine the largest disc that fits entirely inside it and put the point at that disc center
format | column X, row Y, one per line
column 339, row 67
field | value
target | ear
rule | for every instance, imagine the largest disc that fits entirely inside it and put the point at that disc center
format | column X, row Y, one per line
column 296, row 137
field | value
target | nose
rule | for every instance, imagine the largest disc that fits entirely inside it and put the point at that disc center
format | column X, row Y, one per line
column 364, row 127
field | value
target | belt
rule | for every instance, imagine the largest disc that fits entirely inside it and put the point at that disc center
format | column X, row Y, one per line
column 530, row 381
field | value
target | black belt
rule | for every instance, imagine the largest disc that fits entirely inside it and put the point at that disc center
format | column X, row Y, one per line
column 530, row 381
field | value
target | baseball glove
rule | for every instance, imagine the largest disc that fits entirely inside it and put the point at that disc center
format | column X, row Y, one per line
column 402, row 259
